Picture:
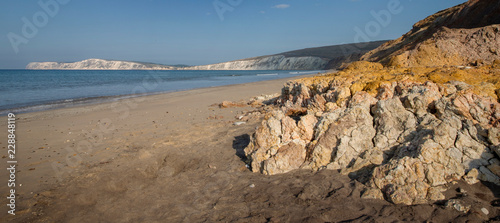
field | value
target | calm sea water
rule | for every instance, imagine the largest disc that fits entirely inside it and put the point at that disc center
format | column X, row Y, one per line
column 35, row 90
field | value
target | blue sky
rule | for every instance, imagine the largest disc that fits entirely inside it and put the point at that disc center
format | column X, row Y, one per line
column 191, row 32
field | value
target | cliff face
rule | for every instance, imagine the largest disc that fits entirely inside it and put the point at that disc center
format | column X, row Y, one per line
column 461, row 35
column 96, row 64
column 319, row 58
column 278, row 62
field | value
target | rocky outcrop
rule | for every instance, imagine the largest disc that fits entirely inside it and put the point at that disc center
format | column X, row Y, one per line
column 462, row 35
column 407, row 131
column 97, row 64
column 395, row 130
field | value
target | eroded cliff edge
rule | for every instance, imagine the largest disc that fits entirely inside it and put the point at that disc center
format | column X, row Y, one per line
column 467, row 34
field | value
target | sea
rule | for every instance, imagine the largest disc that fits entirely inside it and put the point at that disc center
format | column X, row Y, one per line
column 24, row 91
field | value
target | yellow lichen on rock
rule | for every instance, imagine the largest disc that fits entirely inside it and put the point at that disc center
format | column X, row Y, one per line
column 368, row 76
column 361, row 66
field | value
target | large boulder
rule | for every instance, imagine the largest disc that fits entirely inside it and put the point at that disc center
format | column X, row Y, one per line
column 279, row 144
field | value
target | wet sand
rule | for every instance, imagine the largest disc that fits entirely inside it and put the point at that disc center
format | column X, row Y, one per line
column 178, row 158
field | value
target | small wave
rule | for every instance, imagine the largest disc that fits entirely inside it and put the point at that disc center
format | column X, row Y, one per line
column 64, row 103
column 306, row 72
column 26, row 109
column 274, row 74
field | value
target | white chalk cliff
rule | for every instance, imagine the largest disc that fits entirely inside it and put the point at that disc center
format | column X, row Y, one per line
column 96, row 64
column 278, row 62
column 318, row 58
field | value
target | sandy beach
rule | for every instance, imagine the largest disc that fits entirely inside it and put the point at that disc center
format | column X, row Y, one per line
column 261, row 111
column 177, row 157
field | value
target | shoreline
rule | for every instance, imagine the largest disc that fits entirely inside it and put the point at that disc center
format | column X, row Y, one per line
column 56, row 129
column 84, row 101
column 56, row 148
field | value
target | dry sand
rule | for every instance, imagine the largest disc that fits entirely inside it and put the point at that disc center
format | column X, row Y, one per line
column 164, row 158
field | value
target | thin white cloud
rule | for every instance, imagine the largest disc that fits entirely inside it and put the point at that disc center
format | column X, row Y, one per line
column 281, row 6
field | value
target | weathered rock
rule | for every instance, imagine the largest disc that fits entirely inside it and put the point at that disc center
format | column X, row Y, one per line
column 372, row 193
column 346, row 138
column 472, row 177
column 421, row 98
column 485, row 211
column 403, row 181
column 487, row 175
column 386, row 91
column 306, row 127
column 393, row 121
column 288, row 157
column 495, row 168
column 339, row 95
column 230, row 104
column 407, row 140
column 278, row 145
column 317, row 104
column 457, row 205
column 295, row 95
